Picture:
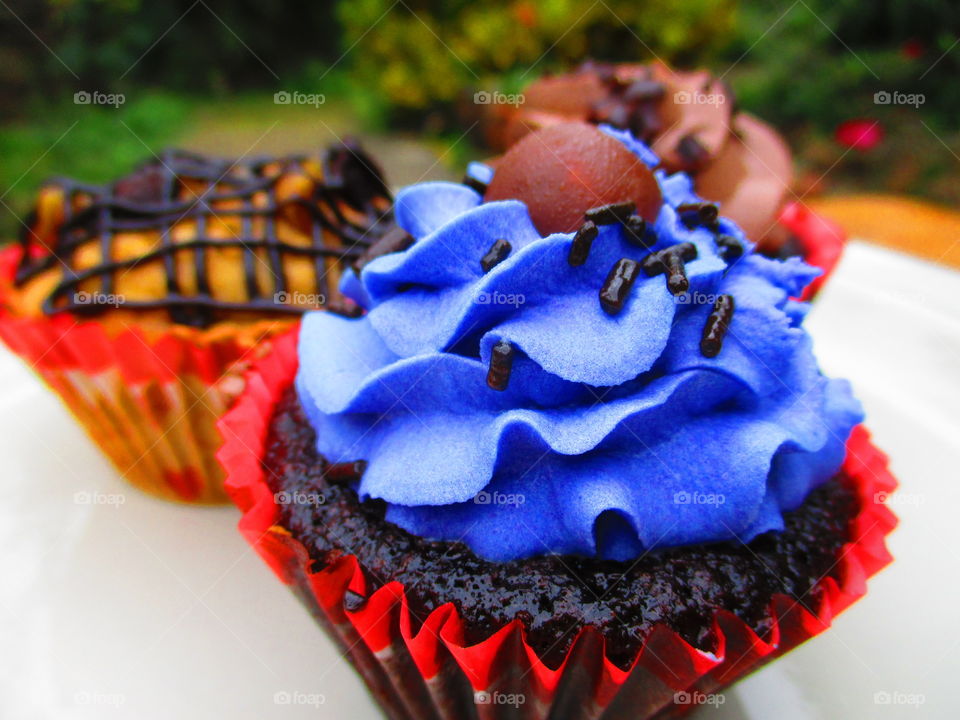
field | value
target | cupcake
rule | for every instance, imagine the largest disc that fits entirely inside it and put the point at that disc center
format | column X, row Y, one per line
column 575, row 459
column 141, row 302
column 691, row 121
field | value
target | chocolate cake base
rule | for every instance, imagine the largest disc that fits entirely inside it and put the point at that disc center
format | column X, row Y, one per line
column 554, row 595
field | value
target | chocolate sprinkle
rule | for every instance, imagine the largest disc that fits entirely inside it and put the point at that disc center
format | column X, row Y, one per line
column 501, row 362
column 670, row 261
column 644, row 91
column 702, row 213
column 716, row 327
column 497, row 253
column 616, row 288
column 692, row 152
column 345, row 309
column 396, row 239
column 345, row 472
column 730, row 247
column 637, row 233
column 474, row 184
column 580, row 247
column 611, row 213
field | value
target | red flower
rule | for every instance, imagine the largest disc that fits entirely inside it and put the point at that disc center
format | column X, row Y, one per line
column 912, row 49
column 861, row 134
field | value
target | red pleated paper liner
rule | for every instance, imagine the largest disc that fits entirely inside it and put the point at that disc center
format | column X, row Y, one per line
column 433, row 674
column 822, row 241
column 149, row 397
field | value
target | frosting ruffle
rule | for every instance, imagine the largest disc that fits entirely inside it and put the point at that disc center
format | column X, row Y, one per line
column 615, row 435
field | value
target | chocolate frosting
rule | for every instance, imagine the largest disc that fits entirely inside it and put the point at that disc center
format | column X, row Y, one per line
column 690, row 120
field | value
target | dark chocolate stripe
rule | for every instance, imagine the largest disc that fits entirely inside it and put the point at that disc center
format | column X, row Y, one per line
column 151, row 200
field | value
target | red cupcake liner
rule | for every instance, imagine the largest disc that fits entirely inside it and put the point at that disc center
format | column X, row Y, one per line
column 148, row 397
column 822, row 241
column 432, row 673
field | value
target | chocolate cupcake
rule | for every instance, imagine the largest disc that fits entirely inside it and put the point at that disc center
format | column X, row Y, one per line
column 691, row 121
column 575, row 460
column 142, row 301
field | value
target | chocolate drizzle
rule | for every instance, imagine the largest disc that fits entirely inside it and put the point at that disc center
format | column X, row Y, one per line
column 182, row 187
column 716, row 328
column 501, row 363
column 670, row 261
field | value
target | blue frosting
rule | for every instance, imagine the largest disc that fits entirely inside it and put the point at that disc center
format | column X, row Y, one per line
column 615, row 434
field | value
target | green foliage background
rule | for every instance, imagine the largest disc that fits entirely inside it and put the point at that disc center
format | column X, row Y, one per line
column 805, row 65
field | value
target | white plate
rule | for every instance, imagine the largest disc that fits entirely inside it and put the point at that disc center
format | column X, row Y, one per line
column 148, row 610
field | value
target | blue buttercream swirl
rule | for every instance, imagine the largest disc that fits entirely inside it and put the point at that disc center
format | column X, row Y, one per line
column 615, row 435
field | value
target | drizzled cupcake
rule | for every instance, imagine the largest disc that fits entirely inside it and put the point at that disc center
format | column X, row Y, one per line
column 575, row 460
column 692, row 122
column 141, row 302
